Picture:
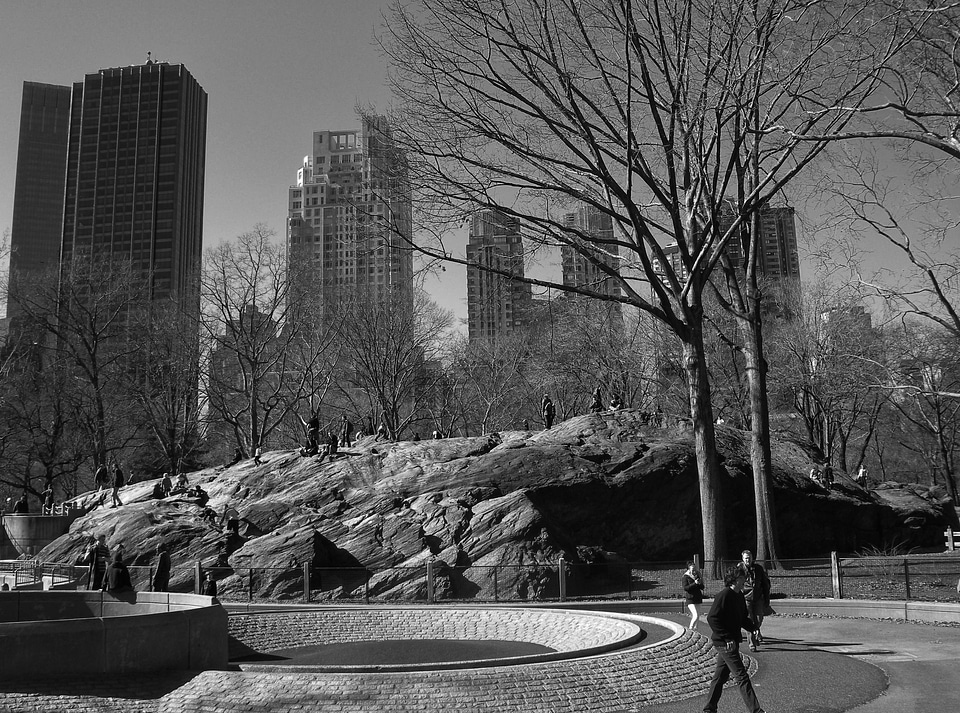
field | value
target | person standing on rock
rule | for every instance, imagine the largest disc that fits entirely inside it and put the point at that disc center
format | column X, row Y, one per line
column 692, row 583
column 727, row 617
column 161, row 575
column 346, row 431
column 118, row 482
column 756, row 592
column 547, row 411
column 596, row 406
column 232, row 518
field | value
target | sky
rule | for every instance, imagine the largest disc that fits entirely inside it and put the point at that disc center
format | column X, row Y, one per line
column 274, row 73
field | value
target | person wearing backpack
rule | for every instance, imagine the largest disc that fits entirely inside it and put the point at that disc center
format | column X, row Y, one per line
column 692, row 583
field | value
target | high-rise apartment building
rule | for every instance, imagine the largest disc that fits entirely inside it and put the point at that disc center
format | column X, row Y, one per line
column 36, row 233
column 349, row 216
column 580, row 268
column 779, row 256
column 496, row 303
column 135, row 174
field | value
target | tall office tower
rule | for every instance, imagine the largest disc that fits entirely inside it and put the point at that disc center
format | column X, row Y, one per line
column 496, row 304
column 135, row 170
column 578, row 270
column 38, row 194
column 349, row 216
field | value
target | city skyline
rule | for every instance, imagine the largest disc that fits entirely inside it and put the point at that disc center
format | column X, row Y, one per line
column 309, row 66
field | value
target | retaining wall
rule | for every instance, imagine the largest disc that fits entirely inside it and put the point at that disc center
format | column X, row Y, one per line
column 60, row 633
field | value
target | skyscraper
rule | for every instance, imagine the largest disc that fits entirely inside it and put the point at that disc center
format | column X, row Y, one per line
column 38, row 194
column 578, row 269
column 135, row 173
column 349, row 216
column 779, row 256
column 496, row 303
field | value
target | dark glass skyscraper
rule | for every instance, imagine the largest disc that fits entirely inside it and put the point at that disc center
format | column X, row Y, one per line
column 134, row 175
column 36, row 230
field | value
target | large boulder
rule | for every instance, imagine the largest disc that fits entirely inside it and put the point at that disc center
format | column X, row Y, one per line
column 493, row 513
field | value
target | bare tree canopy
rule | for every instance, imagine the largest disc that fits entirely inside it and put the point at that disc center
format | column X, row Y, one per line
column 662, row 115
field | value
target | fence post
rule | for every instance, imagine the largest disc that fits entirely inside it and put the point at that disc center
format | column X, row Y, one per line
column 906, row 576
column 430, row 591
column 836, row 576
column 197, row 576
column 306, row 582
column 951, row 546
column 366, row 586
column 496, row 584
column 562, row 572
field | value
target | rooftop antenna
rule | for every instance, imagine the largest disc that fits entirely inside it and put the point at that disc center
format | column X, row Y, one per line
column 149, row 58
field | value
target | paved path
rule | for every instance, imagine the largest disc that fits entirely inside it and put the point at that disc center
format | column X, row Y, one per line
column 809, row 665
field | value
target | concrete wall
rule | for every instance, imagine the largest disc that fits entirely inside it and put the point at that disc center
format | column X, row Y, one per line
column 31, row 533
column 96, row 632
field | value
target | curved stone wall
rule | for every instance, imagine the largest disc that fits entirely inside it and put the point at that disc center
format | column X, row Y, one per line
column 568, row 633
column 73, row 633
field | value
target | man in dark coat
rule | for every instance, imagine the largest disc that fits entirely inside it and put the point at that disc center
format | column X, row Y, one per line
column 161, row 575
column 727, row 617
column 117, row 577
column 97, row 558
column 547, row 411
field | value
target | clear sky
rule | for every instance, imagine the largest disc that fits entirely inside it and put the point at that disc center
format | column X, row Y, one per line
column 275, row 72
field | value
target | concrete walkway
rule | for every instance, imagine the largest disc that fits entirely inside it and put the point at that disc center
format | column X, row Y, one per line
column 822, row 665
column 808, row 665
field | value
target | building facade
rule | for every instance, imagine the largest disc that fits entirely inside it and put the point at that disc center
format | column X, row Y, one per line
column 349, row 217
column 779, row 255
column 496, row 303
column 135, row 174
column 580, row 266
column 36, row 229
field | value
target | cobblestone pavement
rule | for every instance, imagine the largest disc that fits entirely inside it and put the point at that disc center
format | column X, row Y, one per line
column 609, row 683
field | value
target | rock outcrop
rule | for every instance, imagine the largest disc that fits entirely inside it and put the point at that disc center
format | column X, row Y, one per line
column 490, row 512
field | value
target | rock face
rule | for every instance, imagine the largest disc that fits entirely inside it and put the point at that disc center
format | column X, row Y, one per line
column 604, row 488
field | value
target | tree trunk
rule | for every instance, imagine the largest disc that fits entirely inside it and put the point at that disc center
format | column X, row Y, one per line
column 708, row 465
column 760, row 456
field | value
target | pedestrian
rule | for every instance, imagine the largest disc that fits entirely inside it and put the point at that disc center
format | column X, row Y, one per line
column 117, row 577
column 596, row 406
column 22, row 506
column 256, row 455
column 828, row 474
column 547, row 411
column 161, row 575
column 692, row 583
column 346, row 431
column 313, row 432
column 616, row 403
column 756, row 592
column 166, row 484
column 102, row 479
column 182, row 484
column 526, row 425
column 98, row 555
column 46, row 501
column 118, row 482
column 209, row 586
column 861, row 476
column 727, row 617
column 232, row 518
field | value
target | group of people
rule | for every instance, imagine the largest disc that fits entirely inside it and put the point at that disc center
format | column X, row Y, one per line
column 822, row 476
column 740, row 605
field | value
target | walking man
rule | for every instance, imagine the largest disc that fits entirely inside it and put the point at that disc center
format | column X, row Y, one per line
column 727, row 616
column 756, row 592
column 161, row 575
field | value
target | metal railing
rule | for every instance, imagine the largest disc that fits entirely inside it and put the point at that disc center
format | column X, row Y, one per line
column 923, row 578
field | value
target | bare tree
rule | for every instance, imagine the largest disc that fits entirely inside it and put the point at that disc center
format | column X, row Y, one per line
column 392, row 350
column 657, row 114
column 265, row 337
